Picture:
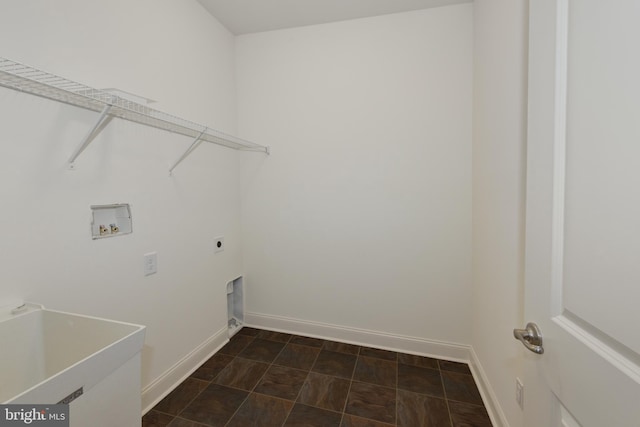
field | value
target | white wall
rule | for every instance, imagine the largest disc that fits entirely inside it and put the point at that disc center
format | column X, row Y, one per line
column 499, row 152
column 361, row 217
column 175, row 53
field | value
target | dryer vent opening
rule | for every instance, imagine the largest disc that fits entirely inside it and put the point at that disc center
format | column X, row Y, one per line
column 235, row 306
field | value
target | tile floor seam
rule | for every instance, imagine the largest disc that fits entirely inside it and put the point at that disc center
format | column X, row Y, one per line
column 322, row 348
column 307, row 377
column 344, row 407
column 162, row 412
column 191, row 401
column 259, row 379
column 359, row 356
column 397, row 389
column 237, row 409
column 446, row 399
column 467, row 403
column 265, row 373
column 303, row 383
column 253, row 338
column 375, row 385
column 269, row 396
column 353, row 373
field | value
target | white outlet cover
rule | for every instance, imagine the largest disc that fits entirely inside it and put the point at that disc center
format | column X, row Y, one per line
column 150, row 263
column 218, row 244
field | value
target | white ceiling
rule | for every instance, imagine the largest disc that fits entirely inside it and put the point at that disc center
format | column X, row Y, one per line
column 252, row 16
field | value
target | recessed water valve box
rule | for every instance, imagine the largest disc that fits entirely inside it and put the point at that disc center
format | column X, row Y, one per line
column 110, row 220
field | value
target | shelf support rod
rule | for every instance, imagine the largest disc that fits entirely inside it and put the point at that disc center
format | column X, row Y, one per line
column 87, row 139
column 192, row 147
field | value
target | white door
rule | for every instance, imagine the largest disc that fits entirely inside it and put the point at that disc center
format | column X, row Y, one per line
column 582, row 274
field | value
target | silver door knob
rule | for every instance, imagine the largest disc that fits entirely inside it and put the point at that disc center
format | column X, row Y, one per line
column 531, row 337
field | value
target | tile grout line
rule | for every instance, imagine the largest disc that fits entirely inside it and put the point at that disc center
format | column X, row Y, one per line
column 253, row 338
column 197, row 394
column 261, row 377
column 303, row 383
column 194, row 397
column 353, row 373
column 444, row 391
column 265, row 373
column 397, row 386
column 395, row 421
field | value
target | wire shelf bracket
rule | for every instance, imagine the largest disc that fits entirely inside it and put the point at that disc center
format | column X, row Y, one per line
column 27, row 79
column 196, row 142
column 102, row 120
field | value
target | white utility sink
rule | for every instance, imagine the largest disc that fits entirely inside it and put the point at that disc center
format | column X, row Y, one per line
column 47, row 356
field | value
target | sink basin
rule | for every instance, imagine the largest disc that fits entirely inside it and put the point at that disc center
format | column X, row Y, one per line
column 48, row 355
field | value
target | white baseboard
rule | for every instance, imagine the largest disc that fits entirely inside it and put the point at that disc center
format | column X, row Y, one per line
column 494, row 409
column 165, row 383
column 381, row 340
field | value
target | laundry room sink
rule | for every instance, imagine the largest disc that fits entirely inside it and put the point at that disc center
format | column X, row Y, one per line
column 91, row 363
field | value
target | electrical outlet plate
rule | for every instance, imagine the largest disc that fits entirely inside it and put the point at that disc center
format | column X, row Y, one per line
column 218, row 244
column 150, row 263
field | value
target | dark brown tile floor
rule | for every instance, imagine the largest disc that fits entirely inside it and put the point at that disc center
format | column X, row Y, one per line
column 263, row 378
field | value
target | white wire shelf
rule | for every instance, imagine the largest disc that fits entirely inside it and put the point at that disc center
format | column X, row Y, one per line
column 24, row 78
